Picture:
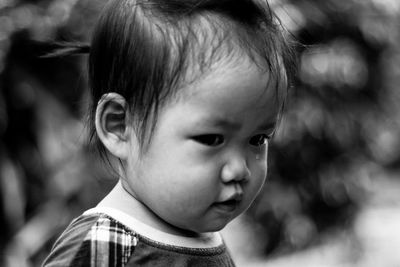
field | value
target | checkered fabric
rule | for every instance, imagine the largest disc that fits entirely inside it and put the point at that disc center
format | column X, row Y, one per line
column 99, row 240
column 107, row 243
column 110, row 243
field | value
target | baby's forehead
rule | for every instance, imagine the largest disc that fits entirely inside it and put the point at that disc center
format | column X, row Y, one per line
column 227, row 76
column 229, row 94
column 236, row 67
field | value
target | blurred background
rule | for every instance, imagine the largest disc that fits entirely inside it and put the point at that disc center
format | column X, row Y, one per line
column 333, row 191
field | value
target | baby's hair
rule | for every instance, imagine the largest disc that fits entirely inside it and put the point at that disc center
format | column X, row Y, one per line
column 143, row 50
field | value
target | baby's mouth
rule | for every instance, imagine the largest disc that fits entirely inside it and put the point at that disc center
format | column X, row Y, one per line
column 230, row 204
column 227, row 206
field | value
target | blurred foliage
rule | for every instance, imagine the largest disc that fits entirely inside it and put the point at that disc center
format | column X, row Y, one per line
column 341, row 124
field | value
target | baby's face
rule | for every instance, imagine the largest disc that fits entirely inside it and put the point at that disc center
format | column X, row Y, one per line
column 207, row 160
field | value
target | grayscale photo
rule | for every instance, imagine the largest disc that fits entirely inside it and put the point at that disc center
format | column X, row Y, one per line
column 248, row 133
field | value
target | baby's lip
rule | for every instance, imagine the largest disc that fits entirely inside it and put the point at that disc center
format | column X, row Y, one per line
column 229, row 205
column 236, row 197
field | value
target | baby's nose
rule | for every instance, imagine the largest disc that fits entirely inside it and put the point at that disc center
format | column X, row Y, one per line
column 235, row 170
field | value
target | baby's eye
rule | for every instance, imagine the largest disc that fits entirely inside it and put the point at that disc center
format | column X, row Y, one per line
column 209, row 139
column 259, row 140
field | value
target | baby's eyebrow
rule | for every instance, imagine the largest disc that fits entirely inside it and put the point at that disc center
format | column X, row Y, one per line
column 223, row 123
column 269, row 125
column 231, row 125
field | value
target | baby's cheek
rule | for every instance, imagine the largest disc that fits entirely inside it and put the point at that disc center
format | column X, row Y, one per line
column 188, row 207
column 193, row 189
column 258, row 178
column 259, row 166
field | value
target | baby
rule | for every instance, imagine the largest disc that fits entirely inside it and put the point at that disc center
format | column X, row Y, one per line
column 187, row 95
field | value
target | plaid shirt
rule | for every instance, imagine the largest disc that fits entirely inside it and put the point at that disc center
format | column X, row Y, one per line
column 99, row 240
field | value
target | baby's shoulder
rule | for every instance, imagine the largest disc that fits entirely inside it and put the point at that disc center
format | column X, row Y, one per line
column 89, row 236
column 107, row 237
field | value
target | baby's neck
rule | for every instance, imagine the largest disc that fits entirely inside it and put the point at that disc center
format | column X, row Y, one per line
column 122, row 200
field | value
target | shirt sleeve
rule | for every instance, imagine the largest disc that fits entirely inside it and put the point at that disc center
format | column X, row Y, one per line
column 93, row 241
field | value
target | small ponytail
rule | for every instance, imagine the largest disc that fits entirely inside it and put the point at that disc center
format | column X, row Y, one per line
column 61, row 49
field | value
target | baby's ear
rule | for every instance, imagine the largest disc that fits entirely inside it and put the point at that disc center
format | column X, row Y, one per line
column 111, row 124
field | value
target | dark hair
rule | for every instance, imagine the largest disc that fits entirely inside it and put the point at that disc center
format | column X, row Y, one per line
column 141, row 49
